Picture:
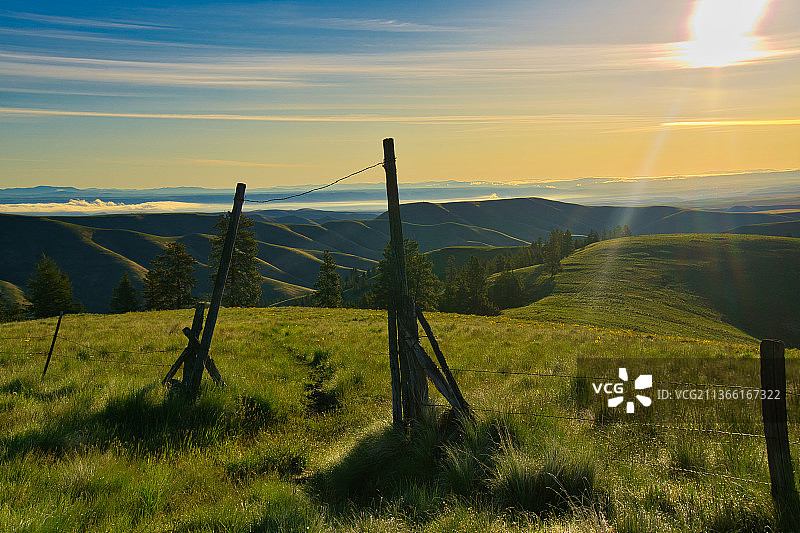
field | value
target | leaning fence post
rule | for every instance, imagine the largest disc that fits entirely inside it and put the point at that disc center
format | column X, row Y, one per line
column 776, row 432
column 52, row 344
column 216, row 296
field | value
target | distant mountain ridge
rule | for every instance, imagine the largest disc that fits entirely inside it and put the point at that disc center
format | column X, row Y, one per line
column 96, row 250
column 718, row 192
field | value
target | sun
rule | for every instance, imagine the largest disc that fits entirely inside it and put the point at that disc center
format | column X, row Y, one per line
column 723, row 33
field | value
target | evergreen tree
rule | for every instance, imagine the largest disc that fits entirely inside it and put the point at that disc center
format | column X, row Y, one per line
column 552, row 252
column 243, row 284
column 50, row 291
column 474, row 298
column 451, row 292
column 329, row 284
column 11, row 312
column 125, row 297
column 592, row 237
column 507, row 290
column 170, row 280
column 537, row 252
column 423, row 285
column 567, row 244
column 466, row 290
column 626, row 231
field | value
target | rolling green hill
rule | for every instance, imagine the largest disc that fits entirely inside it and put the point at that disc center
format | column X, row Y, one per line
column 697, row 286
column 95, row 251
column 776, row 229
column 529, row 218
column 11, row 294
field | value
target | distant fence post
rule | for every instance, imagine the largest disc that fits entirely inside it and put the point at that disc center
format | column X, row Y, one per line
column 202, row 360
column 776, row 432
column 52, row 344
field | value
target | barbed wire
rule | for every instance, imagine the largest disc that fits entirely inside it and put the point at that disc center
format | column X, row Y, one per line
column 23, row 353
column 688, row 470
column 28, row 355
column 315, row 188
column 119, row 362
column 26, row 338
column 631, row 422
column 105, row 351
column 571, row 376
column 629, row 461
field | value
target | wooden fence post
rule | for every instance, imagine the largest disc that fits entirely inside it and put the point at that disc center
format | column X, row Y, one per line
column 776, row 433
column 52, row 344
column 413, row 386
column 197, row 329
column 460, row 403
column 187, row 357
column 202, row 359
column 394, row 369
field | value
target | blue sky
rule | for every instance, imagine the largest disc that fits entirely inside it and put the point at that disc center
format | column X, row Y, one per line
column 154, row 94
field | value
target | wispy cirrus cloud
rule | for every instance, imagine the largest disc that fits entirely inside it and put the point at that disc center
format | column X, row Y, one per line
column 363, row 24
column 727, row 123
column 82, row 22
column 347, row 118
column 229, row 163
column 91, row 37
column 138, row 72
column 225, row 66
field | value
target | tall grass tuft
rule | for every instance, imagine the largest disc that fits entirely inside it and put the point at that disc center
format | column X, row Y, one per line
column 550, row 485
column 467, row 462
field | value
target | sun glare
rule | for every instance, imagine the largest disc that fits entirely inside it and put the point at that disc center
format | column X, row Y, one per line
column 723, row 33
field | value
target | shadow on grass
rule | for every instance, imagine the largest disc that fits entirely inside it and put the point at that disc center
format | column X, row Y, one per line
column 540, row 285
column 481, row 462
column 144, row 421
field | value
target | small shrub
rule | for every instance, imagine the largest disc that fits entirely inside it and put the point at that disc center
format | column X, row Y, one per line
column 467, row 462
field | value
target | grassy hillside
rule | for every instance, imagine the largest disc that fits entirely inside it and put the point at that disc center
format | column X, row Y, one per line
column 777, row 229
column 529, row 218
column 11, row 294
column 299, row 440
column 96, row 250
column 705, row 286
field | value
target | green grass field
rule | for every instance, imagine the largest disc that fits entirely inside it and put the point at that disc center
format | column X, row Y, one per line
column 300, row 438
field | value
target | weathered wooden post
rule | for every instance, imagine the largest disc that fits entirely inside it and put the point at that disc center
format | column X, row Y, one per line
column 52, row 344
column 394, row 368
column 188, row 355
column 202, row 359
column 776, row 433
column 413, row 386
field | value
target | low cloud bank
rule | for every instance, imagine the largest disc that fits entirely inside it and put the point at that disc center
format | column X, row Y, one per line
column 100, row 207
